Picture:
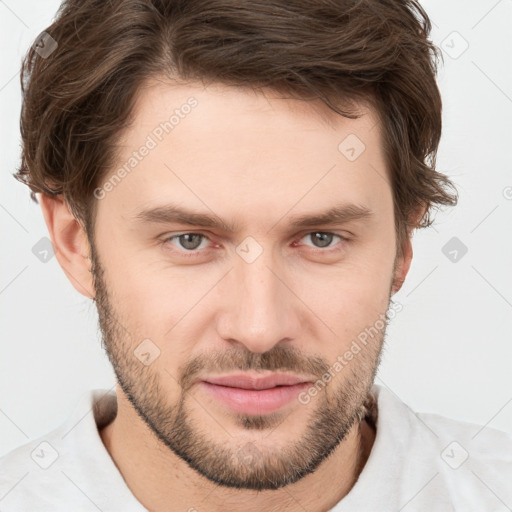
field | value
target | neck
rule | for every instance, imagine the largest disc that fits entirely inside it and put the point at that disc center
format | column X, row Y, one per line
column 157, row 477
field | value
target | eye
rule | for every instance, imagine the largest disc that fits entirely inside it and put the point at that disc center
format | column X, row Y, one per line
column 188, row 241
column 190, row 244
column 322, row 239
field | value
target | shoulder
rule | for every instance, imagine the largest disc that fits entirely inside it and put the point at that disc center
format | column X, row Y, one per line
column 27, row 481
column 469, row 464
column 461, row 441
column 54, row 470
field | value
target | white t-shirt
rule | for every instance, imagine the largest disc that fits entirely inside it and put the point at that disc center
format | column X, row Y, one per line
column 419, row 462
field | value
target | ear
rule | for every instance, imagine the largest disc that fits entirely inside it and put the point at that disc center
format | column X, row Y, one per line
column 403, row 263
column 70, row 243
column 402, row 266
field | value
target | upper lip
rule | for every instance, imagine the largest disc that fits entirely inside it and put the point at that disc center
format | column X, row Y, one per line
column 245, row 381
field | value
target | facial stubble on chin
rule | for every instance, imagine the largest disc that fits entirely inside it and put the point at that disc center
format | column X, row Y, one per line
column 232, row 462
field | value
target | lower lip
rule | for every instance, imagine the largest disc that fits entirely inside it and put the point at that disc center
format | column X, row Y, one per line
column 252, row 401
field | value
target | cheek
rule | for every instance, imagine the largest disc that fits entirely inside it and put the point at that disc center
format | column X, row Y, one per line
column 153, row 305
column 162, row 303
column 352, row 296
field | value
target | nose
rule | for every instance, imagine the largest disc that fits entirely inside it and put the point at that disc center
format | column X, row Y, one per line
column 260, row 309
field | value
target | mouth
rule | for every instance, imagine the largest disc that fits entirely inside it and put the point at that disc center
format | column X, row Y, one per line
column 249, row 394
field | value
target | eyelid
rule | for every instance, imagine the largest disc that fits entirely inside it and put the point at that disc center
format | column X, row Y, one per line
column 342, row 237
column 343, row 234
column 170, row 237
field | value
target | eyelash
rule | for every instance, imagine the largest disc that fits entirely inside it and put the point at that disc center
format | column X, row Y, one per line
column 197, row 252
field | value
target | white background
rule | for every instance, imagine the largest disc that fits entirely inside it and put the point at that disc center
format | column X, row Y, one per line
column 449, row 351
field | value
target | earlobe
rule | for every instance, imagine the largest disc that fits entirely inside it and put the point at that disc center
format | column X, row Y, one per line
column 70, row 243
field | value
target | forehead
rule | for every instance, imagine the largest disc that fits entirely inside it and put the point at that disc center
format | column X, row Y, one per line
column 221, row 146
column 231, row 106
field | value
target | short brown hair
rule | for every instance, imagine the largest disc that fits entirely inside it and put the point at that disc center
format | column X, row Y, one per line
column 78, row 100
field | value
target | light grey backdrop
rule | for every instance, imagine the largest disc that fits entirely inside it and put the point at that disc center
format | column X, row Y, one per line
column 448, row 351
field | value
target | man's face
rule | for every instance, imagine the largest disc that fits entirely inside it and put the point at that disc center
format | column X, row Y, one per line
column 269, row 297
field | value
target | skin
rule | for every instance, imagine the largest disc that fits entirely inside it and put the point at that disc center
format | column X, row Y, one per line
column 258, row 159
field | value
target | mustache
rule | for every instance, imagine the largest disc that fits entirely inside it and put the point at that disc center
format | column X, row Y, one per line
column 277, row 359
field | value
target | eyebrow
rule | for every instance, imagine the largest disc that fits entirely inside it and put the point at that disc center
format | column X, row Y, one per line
column 169, row 214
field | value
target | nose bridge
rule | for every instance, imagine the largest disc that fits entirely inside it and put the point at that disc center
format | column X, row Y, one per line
column 259, row 312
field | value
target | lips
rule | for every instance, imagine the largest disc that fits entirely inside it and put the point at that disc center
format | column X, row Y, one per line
column 253, row 394
column 249, row 382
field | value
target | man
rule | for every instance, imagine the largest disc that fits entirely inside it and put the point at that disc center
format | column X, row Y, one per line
column 294, row 143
